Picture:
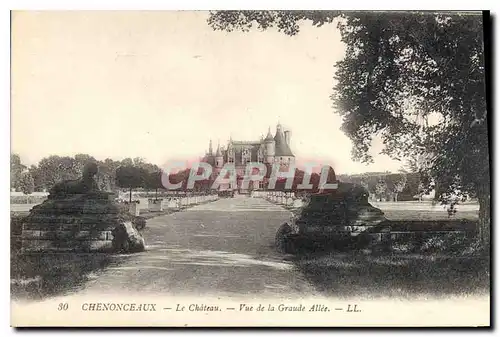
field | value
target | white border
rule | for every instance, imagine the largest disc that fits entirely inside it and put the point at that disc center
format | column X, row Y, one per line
column 182, row 5
column 254, row 4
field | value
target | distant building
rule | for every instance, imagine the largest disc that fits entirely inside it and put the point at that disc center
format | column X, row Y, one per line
column 268, row 150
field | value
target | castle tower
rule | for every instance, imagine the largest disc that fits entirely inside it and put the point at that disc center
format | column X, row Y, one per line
column 210, row 150
column 219, row 160
column 269, row 147
column 282, row 152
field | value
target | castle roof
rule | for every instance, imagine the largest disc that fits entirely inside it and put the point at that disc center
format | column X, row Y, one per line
column 281, row 148
column 218, row 153
column 269, row 135
column 243, row 143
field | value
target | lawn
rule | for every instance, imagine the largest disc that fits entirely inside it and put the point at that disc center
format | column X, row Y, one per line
column 429, row 215
column 410, row 275
column 426, row 211
column 39, row 275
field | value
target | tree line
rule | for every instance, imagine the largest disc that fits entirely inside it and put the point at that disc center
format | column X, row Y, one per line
column 112, row 174
column 386, row 186
column 129, row 174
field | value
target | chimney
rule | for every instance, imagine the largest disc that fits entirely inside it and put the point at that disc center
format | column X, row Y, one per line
column 287, row 137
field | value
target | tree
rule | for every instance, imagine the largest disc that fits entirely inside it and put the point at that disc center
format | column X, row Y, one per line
column 37, row 178
column 153, row 182
column 395, row 79
column 127, row 162
column 54, row 169
column 399, row 186
column 26, row 183
column 138, row 161
column 420, row 192
column 106, row 176
column 381, row 189
column 364, row 181
column 80, row 160
column 16, row 168
column 130, row 177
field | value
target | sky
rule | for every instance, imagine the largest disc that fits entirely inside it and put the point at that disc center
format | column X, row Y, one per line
column 160, row 85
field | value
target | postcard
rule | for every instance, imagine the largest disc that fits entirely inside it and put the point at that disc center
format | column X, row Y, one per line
column 250, row 169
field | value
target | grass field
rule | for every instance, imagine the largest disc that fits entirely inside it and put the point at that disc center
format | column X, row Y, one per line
column 406, row 210
column 354, row 274
column 430, row 215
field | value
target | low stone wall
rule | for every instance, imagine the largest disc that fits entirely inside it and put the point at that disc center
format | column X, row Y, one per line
column 16, row 231
column 286, row 199
column 37, row 237
column 187, row 201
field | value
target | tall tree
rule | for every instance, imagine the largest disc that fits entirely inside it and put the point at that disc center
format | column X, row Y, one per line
column 399, row 185
column 381, row 189
column 37, row 178
column 54, row 169
column 402, row 73
column 109, row 172
column 364, row 182
column 16, row 168
column 26, row 183
column 130, row 177
column 153, row 182
column 80, row 160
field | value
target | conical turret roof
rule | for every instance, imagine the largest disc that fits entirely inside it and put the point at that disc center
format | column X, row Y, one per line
column 281, row 147
column 218, row 153
column 269, row 135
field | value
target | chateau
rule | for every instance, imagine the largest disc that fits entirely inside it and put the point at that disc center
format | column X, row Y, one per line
column 268, row 150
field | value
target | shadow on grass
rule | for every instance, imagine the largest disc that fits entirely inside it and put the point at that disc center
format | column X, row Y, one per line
column 37, row 276
column 366, row 274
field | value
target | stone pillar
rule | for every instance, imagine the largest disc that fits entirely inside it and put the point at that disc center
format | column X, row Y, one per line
column 134, row 209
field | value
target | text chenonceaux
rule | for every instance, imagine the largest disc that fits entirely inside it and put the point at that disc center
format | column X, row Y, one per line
column 252, row 172
column 100, row 306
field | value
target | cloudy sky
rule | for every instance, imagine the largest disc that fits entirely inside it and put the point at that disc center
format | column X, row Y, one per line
column 160, row 85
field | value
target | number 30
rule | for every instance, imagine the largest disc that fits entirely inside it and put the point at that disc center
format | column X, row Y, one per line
column 62, row 306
